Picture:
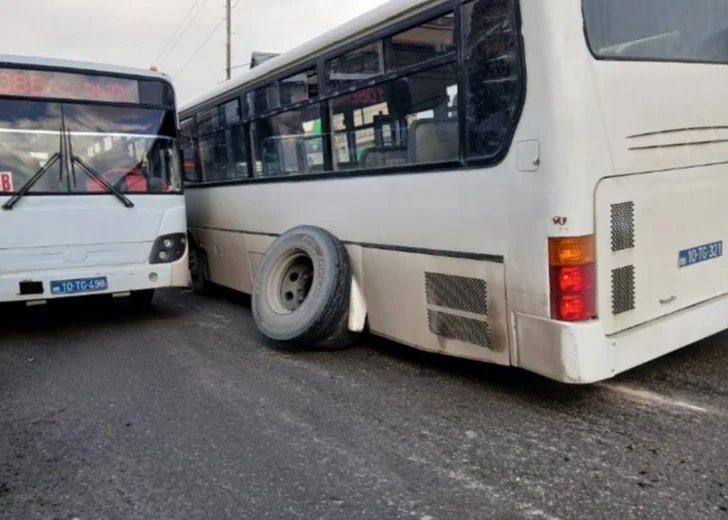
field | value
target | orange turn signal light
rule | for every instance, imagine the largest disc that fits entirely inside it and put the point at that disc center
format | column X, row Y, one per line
column 564, row 251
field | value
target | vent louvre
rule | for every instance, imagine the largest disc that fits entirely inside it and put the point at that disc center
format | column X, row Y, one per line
column 622, row 226
column 623, row 290
column 457, row 292
column 460, row 328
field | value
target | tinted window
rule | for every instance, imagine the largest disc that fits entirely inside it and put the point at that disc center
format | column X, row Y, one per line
column 208, row 121
column 290, row 143
column 266, row 98
column 684, row 30
column 360, row 64
column 424, row 42
column 222, row 155
column 189, row 150
column 299, row 87
column 213, row 157
column 231, row 112
column 405, row 121
column 493, row 75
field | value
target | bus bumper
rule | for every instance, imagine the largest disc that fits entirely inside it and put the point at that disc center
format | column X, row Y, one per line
column 580, row 353
column 121, row 279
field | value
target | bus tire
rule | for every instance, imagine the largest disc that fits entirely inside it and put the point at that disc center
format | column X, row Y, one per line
column 301, row 292
column 199, row 270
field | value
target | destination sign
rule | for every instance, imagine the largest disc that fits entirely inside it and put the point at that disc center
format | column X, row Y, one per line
column 63, row 85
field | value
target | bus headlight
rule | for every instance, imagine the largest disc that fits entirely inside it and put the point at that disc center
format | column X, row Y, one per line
column 168, row 248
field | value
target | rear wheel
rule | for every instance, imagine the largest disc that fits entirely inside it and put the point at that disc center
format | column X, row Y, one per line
column 141, row 299
column 199, row 272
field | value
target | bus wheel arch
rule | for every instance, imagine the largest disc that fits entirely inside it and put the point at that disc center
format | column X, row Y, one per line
column 302, row 288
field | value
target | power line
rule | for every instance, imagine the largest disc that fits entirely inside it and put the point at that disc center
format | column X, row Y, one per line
column 189, row 24
column 171, row 38
column 194, row 54
column 202, row 45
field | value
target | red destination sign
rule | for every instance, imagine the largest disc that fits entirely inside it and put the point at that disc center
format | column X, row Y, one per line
column 63, row 85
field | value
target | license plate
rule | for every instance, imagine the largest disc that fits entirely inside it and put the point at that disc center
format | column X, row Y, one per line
column 698, row 254
column 80, row 285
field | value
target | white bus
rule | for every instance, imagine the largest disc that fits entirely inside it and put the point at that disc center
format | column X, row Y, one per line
column 535, row 183
column 91, row 195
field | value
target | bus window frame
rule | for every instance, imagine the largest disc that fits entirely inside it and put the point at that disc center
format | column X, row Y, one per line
column 326, row 94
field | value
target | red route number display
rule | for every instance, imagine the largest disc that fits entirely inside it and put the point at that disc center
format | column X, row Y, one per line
column 63, row 85
column 6, row 182
column 365, row 97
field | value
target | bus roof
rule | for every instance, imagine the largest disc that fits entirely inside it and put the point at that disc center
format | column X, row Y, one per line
column 87, row 66
column 352, row 29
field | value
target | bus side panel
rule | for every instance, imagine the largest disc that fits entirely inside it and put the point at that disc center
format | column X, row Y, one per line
column 451, row 306
column 257, row 247
column 227, row 254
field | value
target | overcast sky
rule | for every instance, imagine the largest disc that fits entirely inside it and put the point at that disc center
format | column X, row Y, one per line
column 133, row 32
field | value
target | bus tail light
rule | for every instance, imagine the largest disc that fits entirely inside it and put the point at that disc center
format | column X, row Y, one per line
column 572, row 276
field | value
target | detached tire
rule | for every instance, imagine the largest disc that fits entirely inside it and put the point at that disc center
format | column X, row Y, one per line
column 301, row 293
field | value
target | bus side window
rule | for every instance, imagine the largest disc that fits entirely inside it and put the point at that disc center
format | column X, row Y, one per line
column 189, row 151
column 222, row 144
column 289, row 143
column 404, row 121
column 493, row 75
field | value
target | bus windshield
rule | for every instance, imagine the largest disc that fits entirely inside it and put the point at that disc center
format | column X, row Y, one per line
column 132, row 148
column 669, row 30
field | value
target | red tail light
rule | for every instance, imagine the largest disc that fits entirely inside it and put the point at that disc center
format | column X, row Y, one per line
column 572, row 277
column 573, row 307
column 575, row 278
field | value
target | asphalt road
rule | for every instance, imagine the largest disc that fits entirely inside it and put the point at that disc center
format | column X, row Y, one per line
column 185, row 412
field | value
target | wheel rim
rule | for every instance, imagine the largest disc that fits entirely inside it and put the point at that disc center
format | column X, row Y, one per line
column 290, row 282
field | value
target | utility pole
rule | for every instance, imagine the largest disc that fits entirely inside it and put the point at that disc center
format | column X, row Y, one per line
column 228, row 14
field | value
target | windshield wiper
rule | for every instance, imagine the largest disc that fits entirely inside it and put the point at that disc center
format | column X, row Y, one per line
column 25, row 188
column 93, row 174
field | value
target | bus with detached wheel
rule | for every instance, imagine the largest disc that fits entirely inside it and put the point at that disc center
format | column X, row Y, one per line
column 91, row 199
column 534, row 183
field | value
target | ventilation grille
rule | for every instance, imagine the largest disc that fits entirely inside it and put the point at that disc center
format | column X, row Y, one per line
column 457, row 292
column 623, row 289
column 467, row 330
column 622, row 226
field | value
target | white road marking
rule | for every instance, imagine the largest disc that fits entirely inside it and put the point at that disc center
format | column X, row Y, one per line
column 647, row 396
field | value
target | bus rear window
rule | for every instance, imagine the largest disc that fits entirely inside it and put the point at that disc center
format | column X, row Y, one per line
column 669, row 30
